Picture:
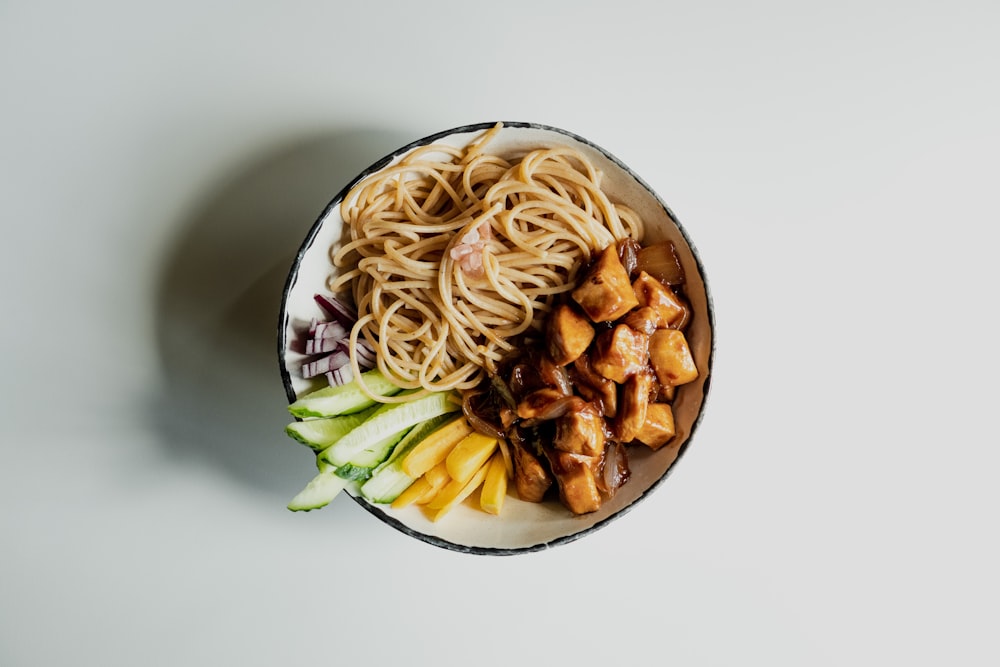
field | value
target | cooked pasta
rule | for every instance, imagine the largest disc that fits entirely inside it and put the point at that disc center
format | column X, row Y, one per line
column 453, row 253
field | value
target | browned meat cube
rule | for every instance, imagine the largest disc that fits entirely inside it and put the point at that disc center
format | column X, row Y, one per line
column 666, row 394
column 595, row 387
column 580, row 431
column 659, row 426
column 651, row 293
column 671, row 358
column 634, row 401
column 644, row 319
column 569, row 334
column 605, row 293
column 531, row 478
column 620, row 353
column 575, row 476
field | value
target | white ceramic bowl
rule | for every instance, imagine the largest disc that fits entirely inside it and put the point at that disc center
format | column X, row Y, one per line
column 522, row 526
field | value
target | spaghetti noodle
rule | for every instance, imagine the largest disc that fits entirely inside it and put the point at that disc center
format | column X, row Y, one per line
column 453, row 254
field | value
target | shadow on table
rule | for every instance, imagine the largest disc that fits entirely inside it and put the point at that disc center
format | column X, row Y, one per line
column 217, row 305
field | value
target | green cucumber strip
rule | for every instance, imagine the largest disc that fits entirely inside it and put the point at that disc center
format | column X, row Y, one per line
column 323, row 488
column 321, row 433
column 343, row 399
column 361, row 466
column 389, row 419
column 372, row 455
column 384, row 487
column 353, row 473
column 323, row 465
column 415, row 436
column 388, row 480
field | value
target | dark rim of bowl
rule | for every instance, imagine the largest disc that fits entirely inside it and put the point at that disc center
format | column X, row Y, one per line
column 376, row 166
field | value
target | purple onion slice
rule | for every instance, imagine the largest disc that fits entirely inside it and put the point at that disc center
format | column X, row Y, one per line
column 339, row 376
column 325, row 364
column 341, row 311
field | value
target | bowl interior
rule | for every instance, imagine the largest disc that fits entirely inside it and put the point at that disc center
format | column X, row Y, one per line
column 522, row 526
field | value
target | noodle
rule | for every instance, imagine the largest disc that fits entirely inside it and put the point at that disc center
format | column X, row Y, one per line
column 452, row 254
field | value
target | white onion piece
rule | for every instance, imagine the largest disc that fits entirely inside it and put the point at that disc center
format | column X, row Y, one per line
column 616, row 471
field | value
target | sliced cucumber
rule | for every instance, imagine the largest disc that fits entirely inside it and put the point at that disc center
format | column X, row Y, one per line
column 343, row 399
column 388, row 480
column 388, row 419
column 353, row 473
column 323, row 488
column 372, row 455
column 415, row 436
column 321, row 433
column 361, row 466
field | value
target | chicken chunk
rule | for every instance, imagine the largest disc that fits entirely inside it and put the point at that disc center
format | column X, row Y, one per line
column 666, row 394
column 634, row 403
column 651, row 293
column 620, row 353
column 659, row 427
column 605, row 293
column 671, row 358
column 574, row 475
column 595, row 387
column 531, row 478
column 644, row 319
column 580, row 431
column 569, row 334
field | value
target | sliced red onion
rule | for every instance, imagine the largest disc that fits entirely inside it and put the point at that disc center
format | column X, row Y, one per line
column 325, row 364
column 340, row 310
column 339, row 376
column 329, row 330
column 503, row 391
column 332, row 339
column 322, row 345
column 366, row 355
column 546, row 404
column 471, row 408
column 555, row 376
column 615, row 471
column 365, row 352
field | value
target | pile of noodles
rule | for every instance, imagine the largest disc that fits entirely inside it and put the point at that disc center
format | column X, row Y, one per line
column 453, row 254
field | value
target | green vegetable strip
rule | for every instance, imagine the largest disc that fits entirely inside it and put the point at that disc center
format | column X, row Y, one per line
column 389, row 419
column 321, row 433
column 343, row 399
column 388, row 479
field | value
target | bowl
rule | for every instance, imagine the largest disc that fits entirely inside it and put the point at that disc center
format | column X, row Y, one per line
column 521, row 527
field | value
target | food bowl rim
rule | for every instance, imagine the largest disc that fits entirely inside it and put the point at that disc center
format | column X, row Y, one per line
column 307, row 243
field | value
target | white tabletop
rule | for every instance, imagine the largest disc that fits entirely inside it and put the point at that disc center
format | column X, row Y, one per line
column 834, row 163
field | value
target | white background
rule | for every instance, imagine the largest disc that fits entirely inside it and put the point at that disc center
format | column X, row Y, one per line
column 836, row 164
